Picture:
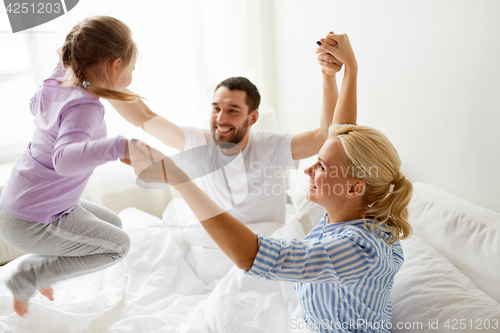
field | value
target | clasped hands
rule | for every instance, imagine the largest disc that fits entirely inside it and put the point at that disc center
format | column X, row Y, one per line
column 334, row 51
column 151, row 165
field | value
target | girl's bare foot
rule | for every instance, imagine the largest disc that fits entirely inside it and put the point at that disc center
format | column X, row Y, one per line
column 47, row 292
column 21, row 307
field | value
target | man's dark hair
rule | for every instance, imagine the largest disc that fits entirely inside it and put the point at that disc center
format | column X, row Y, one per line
column 242, row 83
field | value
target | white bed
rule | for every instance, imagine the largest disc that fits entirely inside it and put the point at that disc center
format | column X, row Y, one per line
column 163, row 285
column 169, row 284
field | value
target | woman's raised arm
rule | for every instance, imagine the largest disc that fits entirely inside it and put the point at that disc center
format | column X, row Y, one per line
column 346, row 107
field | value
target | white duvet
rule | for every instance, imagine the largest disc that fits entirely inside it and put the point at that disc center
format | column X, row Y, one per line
column 173, row 280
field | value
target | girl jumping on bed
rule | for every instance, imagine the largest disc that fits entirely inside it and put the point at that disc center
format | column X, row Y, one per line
column 345, row 267
column 41, row 211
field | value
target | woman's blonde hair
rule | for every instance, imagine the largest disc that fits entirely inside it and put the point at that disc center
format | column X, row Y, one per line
column 370, row 156
column 94, row 42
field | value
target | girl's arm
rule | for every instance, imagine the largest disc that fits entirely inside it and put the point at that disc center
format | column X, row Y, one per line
column 75, row 152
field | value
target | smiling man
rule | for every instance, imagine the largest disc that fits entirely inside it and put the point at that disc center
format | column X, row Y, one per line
column 234, row 109
column 245, row 170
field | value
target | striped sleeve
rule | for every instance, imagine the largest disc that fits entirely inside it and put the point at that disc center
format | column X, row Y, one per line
column 340, row 259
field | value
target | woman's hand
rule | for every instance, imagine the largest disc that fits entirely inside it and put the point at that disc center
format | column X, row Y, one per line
column 339, row 47
column 329, row 64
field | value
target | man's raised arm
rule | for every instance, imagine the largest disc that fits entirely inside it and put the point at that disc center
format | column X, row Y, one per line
column 309, row 143
column 138, row 114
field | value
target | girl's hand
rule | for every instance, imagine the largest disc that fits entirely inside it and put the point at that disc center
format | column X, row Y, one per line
column 139, row 155
column 329, row 64
column 151, row 165
column 339, row 46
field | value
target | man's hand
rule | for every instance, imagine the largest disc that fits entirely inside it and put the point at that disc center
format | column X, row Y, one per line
column 329, row 64
column 339, row 47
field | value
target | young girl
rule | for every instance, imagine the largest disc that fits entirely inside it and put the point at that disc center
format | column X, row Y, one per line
column 345, row 267
column 41, row 211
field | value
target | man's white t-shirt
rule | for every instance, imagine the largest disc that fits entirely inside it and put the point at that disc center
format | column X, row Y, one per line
column 249, row 185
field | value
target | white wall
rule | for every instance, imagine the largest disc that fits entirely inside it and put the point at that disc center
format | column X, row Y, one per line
column 186, row 49
column 429, row 78
column 429, row 74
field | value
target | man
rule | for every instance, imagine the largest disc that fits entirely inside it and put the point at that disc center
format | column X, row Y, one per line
column 244, row 171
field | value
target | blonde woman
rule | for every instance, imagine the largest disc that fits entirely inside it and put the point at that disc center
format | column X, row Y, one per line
column 345, row 267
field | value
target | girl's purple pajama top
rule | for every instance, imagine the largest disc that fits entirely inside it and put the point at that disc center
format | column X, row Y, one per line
column 68, row 143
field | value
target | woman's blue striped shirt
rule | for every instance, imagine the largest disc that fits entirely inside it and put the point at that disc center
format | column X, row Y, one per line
column 344, row 273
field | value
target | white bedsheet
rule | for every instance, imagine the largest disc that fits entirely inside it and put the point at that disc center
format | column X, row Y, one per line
column 165, row 284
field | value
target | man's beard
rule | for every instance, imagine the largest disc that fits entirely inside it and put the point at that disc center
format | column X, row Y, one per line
column 235, row 138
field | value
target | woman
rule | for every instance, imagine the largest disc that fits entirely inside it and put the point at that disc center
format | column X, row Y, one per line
column 345, row 267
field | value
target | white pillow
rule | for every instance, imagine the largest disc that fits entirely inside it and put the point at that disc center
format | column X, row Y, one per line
column 431, row 291
column 133, row 218
column 465, row 234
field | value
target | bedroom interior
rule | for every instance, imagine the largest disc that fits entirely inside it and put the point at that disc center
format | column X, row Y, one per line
column 428, row 78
